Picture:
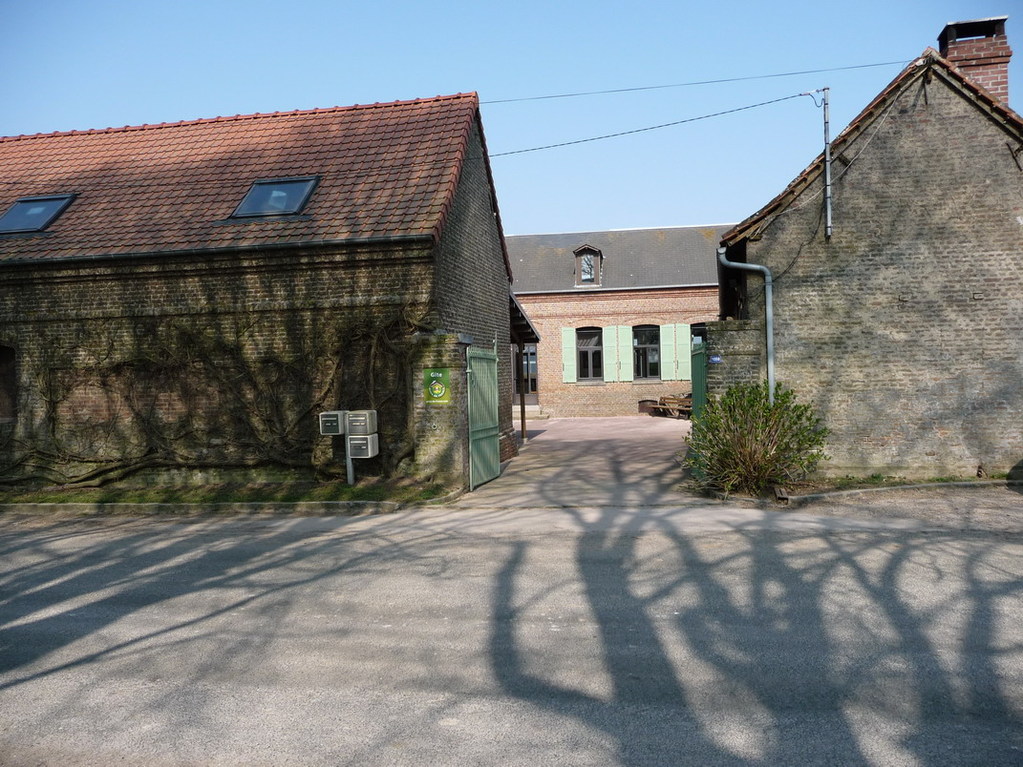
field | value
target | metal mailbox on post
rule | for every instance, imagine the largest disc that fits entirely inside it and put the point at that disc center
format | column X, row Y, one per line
column 332, row 423
column 361, row 422
column 359, row 427
column 362, row 440
column 366, row 446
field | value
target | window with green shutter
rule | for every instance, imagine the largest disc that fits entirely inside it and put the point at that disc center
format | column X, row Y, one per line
column 590, row 357
column 676, row 360
column 598, row 354
column 568, row 369
column 646, row 351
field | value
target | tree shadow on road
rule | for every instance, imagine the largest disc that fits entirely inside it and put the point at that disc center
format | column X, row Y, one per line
column 76, row 580
column 774, row 646
column 761, row 645
column 1016, row 478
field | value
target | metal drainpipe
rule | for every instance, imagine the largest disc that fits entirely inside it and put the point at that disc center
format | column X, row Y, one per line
column 828, row 228
column 769, row 311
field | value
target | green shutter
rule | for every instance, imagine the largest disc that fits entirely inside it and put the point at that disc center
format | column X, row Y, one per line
column 669, row 360
column 676, row 353
column 684, row 352
column 625, row 362
column 568, row 356
column 609, row 341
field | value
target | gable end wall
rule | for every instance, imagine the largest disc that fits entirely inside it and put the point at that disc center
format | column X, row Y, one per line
column 471, row 287
column 906, row 329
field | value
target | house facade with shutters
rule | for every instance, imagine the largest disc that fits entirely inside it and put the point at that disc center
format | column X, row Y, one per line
column 903, row 325
column 191, row 295
column 614, row 311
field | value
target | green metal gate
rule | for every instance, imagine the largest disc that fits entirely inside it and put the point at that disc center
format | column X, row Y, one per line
column 699, row 375
column 484, row 416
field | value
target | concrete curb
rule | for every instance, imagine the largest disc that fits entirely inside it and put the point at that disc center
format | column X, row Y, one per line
column 796, row 501
column 309, row 508
column 454, row 495
column 366, row 508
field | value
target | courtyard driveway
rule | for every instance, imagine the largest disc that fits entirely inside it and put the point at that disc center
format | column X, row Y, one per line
column 624, row 462
column 629, row 464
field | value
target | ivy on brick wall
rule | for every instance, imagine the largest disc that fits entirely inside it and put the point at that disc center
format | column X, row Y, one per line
column 112, row 400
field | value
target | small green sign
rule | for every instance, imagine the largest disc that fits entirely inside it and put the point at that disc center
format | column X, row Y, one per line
column 437, row 386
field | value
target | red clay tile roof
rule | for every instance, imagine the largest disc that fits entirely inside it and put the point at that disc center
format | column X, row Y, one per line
column 386, row 170
column 929, row 61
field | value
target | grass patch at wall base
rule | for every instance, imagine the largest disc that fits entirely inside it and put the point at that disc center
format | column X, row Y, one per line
column 404, row 492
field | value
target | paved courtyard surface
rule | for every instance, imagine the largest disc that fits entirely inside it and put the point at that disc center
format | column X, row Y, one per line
column 632, row 462
column 620, row 462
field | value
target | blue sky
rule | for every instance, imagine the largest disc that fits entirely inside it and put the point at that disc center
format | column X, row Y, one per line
column 78, row 64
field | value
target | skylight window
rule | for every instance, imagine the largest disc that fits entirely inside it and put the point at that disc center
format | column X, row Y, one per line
column 276, row 197
column 33, row 214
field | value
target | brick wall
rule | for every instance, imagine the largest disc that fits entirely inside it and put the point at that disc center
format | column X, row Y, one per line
column 441, row 430
column 224, row 360
column 472, row 282
column 550, row 312
column 737, row 348
column 906, row 328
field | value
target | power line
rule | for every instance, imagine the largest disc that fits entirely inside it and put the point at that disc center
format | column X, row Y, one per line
column 492, row 155
column 650, row 128
column 686, row 85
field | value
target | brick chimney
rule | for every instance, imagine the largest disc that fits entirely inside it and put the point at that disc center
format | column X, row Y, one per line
column 981, row 51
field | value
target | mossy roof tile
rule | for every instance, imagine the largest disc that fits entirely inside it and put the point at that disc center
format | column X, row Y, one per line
column 385, row 170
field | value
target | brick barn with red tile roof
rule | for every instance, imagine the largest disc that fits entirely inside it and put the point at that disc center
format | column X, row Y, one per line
column 190, row 295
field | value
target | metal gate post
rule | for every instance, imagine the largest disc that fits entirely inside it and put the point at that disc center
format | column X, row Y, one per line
column 699, row 376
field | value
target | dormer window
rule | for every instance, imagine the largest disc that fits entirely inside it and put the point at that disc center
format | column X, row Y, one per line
column 586, row 269
column 276, row 197
column 33, row 214
column 588, row 261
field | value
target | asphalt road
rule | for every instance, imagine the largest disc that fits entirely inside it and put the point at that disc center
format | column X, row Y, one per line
column 659, row 636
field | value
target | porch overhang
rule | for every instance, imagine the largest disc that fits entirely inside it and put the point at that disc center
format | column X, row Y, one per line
column 522, row 330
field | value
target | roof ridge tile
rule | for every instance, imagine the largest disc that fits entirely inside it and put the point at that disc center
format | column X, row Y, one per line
column 471, row 96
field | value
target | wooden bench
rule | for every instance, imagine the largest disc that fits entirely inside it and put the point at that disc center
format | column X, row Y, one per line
column 674, row 406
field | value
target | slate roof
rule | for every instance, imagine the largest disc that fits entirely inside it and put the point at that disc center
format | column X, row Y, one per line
column 633, row 258
column 386, row 170
column 930, row 62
